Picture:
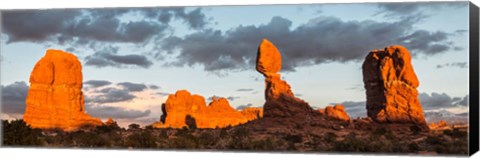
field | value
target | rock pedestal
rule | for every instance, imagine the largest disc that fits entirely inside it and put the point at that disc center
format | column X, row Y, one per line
column 391, row 87
column 55, row 98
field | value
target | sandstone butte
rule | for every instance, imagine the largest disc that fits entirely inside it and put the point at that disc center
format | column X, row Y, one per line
column 55, row 98
column 440, row 125
column 218, row 113
column 335, row 112
column 280, row 100
column 391, row 87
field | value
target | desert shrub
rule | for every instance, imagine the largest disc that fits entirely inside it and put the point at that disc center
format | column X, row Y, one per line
column 223, row 133
column 330, row 137
column 433, row 140
column 207, row 139
column 88, row 139
column 263, row 144
column 133, row 126
column 456, row 133
column 149, row 127
column 353, row 144
column 184, row 139
column 142, row 139
column 413, row 147
column 415, row 129
column 380, row 131
column 107, row 128
column 293, row 138
column 17, row 132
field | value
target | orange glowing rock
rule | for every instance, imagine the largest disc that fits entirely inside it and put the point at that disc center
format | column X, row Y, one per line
column 182, row 104
column 55, row 98
column 440, row 125
column 336, row 112
column 391, row 87
column 252, row 113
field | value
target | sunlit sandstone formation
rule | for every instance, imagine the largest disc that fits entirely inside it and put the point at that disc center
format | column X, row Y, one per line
column 391, row 87
column 335, row 112
column 55, row 98
column 280, row 101
column 218, row 113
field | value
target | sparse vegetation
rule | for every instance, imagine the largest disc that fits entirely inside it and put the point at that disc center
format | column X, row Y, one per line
column 378, row 140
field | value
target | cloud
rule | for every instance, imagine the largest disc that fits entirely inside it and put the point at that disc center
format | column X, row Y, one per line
column 244, row 90
column 83, row 26
column 407, row 9
column 108, row 57
column 97, row 83
column 354, row 108
column 115, row 112
column 153, row 87
column 110, row 95
column 133, row 87
column 241, row 107
column 162, row 94
column 13, row 97
column 101, row 25
column 454, row 64
column 435, row 101
column 230, row 98
column 195, row 19
column 321, row 40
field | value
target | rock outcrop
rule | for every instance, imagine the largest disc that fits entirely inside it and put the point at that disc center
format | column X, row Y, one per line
column 391, row 87
column 280, row 101
column 335, row 112
column 252, row 113
column 55, row 98
column 440, row 125
column 217, row 114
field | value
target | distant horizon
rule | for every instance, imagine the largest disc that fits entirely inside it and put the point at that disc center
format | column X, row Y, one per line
column 210, row 51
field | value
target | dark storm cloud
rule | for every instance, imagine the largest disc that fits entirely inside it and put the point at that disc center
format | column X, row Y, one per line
column 454, row 64
column 36, row 25
column 97, row 83
column 115, row 112
column 321, row 40
column 13, row 97
column 406, row 8
column 110, row 95
column 108, row 57
column 435, row 101
column 244, row 90
column 195, row 19
column 84, row 26
column 133, row 87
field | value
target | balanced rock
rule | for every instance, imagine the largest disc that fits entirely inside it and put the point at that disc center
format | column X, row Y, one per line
column 280, row 100
column 336, row 112
column 391, row 87
column 55, row 98
column 182, row 105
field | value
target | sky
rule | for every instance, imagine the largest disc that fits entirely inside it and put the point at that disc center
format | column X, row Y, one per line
column 134, row 57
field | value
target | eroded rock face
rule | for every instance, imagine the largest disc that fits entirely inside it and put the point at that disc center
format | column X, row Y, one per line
column 391, row 87
column 280, row 101
column 252, row 113
column 55, row 98
column 335, row 112
column 182, row 104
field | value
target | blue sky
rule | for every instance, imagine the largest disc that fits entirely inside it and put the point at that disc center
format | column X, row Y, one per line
column 211, row 51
